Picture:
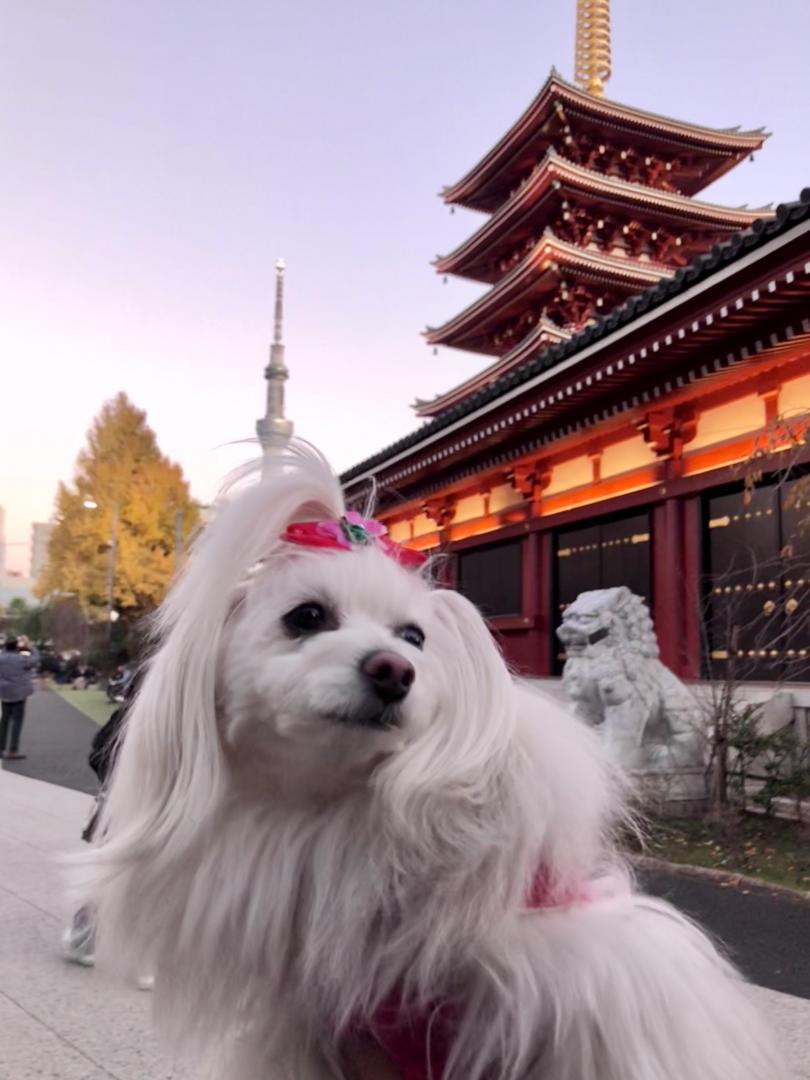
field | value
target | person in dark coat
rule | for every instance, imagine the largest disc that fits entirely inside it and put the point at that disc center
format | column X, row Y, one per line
column 78, row 941
column 18, row 663
column 103, row 751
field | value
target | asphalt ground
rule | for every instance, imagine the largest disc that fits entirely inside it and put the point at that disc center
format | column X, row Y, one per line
column 56, row 739
column 765, row 932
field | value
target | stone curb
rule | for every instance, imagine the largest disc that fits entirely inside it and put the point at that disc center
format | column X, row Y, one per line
column 648, row 862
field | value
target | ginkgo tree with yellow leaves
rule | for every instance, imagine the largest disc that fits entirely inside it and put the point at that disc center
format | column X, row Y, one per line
column 125, row 491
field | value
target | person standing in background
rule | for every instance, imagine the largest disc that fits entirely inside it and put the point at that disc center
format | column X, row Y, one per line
column 18, row 662
column 79, row 939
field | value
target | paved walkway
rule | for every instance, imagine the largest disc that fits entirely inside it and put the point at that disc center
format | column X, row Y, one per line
column 58, row 1020
column 56, row 737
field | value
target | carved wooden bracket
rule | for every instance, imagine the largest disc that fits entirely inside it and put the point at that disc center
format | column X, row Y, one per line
column 440, row 510
column 595, row 457
column 531, row 478
column 768, row 388
column 685, row 429
column 668, row 430
column 657, row 430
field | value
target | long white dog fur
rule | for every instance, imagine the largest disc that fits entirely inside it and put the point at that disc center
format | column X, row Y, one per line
column 283, row 869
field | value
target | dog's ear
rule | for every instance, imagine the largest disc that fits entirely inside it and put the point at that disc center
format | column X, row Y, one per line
column 469, row 642
column 236, row 600
column 171, row 768
column 445, row 795
column 475, row 710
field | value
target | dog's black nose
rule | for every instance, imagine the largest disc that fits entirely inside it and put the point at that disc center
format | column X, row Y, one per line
column 390, row 674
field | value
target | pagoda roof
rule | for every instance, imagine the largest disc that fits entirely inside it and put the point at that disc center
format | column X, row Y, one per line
column 523, row 206
column 535, row 275
column 719, row 260
column 544, row 334
column 724, row 145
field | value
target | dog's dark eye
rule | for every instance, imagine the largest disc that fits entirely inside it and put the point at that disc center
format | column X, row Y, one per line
column 309, row 618
column 412, row 634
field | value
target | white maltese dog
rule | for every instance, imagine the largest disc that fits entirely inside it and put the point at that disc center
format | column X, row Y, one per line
column 349, row 845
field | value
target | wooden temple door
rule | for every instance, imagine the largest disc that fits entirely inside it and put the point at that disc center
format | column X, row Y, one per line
column 794, row 498
column 607, row 553
column 758, row 583
column 492, row 577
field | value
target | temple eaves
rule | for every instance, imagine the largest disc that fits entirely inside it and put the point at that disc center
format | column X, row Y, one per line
column 557, row 91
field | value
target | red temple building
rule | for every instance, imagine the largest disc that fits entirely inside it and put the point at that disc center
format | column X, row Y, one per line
column 642, row 346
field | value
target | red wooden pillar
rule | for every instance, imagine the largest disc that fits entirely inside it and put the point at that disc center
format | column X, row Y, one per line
column 667, row 590
column 446, row 571
column 536, row 601
column 530, row 586
column 676, row 584
column 530, row 603
column 692, row 526
column 548, row 612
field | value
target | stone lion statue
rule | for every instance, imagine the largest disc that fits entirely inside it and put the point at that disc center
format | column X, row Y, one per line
column 649, row 719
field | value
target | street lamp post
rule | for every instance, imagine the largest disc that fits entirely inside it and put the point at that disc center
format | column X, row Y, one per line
column 112, row 614
column 111, row 573
column 178, row 537
column 91, row 504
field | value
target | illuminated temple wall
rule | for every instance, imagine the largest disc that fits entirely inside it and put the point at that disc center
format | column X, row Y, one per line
column 627, row 462
column 622, row 457
column 624, row 541
column 575, row 473
column 729, row 421
column 794, row 397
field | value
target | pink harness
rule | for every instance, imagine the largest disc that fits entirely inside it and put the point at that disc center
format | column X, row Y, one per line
column 418, row 1044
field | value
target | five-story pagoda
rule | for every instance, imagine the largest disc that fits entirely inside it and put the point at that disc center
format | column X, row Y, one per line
column 588, row 202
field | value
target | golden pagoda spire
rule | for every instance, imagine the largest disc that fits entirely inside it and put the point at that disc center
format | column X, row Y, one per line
column 592, row 55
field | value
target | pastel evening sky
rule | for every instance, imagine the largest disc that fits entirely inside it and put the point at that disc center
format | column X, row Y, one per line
column 159, row 154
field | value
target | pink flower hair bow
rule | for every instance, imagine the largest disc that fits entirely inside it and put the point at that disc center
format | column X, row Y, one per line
column 349, row 532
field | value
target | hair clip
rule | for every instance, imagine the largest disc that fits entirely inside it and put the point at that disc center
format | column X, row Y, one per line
column 349, row 532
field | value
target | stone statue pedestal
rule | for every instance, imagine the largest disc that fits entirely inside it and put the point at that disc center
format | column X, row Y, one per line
column 674, row 793
column 651, row 725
